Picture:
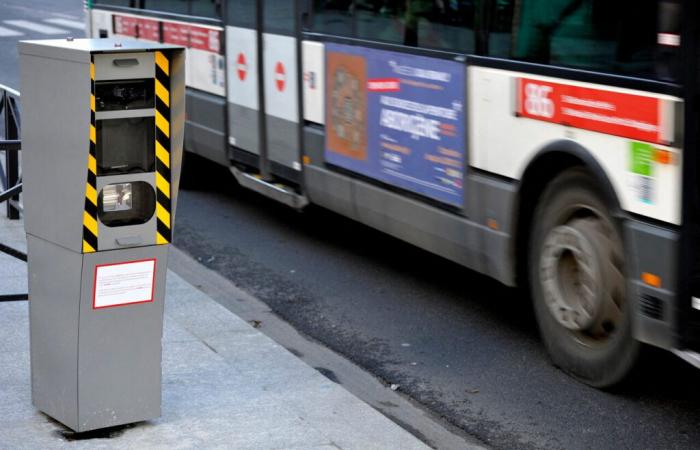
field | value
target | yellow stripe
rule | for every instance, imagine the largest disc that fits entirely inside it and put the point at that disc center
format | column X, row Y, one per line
column 162, row 124
column 162, row 154
column 93, row 134
column 92, row 164
column 163, row 184
column 163, row 214
column 92, row 71
column 91, row 193
column 87, row 248
column 162, row 93
column 90, row 223
column 160, row 239
column 162, row 62
column 92, row 103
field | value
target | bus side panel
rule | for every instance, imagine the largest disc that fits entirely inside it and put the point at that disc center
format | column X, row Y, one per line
column 242, row 87
column 205, row 70
column 281, row 99
column 654, row 191
column 100, row 23
column 451, row 236
column 205, row 126
column 313, row 59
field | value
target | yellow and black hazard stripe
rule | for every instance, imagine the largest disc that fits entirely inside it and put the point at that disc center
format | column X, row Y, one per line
column 163, row 231
column 90, row 213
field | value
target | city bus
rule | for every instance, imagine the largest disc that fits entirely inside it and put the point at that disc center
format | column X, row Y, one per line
column 548, row 144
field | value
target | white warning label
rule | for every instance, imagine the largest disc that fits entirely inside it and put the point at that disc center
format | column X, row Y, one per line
column 124, row 283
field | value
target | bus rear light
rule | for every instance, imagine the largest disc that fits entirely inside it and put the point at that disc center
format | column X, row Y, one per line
column 651, row 279
column 663, row 156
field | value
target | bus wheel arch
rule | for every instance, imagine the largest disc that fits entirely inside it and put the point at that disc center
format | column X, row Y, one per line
column 550, row 161
column 572, row 253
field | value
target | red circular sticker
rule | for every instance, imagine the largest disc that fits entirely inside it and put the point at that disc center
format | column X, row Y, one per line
column 280, row 76
column 241, row 66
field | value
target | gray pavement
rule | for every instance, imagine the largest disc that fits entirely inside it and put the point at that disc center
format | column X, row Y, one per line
column 225, row 385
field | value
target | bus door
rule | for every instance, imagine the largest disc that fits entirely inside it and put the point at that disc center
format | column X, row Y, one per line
column 263, row 100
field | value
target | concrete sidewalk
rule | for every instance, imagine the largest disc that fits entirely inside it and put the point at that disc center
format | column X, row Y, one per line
column 225, row 385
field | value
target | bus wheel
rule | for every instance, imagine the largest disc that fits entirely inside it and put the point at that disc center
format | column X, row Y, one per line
column 577, row 282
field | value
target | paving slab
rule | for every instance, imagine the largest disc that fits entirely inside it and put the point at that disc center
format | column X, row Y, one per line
column 225, row 385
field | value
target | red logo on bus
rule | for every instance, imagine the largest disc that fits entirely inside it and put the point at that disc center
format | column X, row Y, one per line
column 241, row 66
column 280, row 76
column 616, row 113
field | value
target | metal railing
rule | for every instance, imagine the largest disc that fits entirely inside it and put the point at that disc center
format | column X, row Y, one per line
column 10, row 179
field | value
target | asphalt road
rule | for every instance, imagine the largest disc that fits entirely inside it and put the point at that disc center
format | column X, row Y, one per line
column 34, row 19
column 460, row 344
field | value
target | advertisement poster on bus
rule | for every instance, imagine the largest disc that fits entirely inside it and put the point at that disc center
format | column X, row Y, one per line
column 397, row 118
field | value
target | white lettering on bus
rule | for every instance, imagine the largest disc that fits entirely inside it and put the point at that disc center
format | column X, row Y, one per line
column 598, row 104
column 537, row 101
column 416, row 107
column 417, row 126
column 631, row 123
column 426, row 74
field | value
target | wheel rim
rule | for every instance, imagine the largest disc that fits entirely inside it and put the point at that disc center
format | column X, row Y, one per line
column 569, row 272
column 581, row 276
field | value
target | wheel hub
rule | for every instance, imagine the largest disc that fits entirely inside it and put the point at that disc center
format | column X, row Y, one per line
column 570, row 275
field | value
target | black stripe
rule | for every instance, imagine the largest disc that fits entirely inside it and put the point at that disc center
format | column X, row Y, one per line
column 92, row 117
column 163, row 170
column 162, row 77
column 89, row 237
column 163, row 139
column 92, row 146
column 90, row 208
column 163, row 230
column 163, row 200
column 163, row 109
column 92, row 179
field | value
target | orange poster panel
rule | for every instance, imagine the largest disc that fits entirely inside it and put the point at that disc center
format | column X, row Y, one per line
column 346, row 105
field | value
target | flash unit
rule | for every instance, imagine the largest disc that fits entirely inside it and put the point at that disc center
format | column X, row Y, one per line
column 117, row 197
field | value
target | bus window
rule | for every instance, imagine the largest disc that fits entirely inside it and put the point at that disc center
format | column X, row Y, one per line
column 278, row 16
column 446, row 25
column 241, row 13
column 333, row 17
column 500, row 29
column 126, row 3
column 382, row 20
column 439, row 24
column 206, row 8
column 617, row 37
column 169, row 6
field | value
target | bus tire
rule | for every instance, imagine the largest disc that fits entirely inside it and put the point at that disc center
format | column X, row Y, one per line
column 576, row 274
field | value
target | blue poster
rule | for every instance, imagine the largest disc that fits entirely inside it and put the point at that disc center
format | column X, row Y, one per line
column 397, row 118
